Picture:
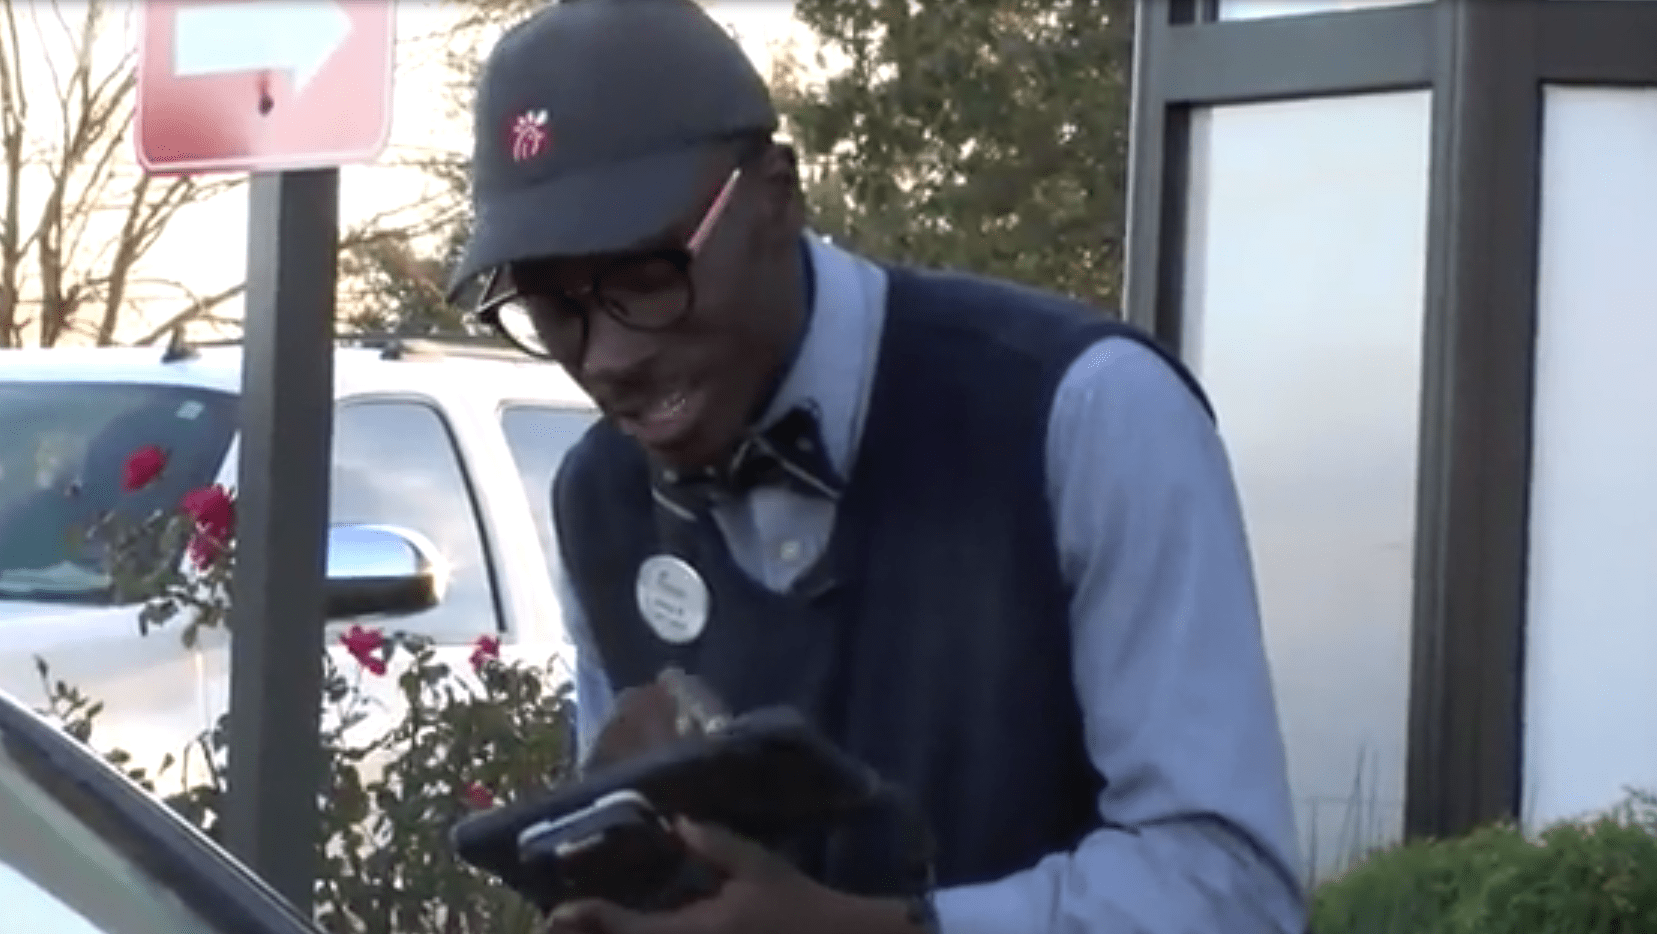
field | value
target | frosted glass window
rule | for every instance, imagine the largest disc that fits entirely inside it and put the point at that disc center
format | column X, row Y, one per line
column 1591, row 640
column 1304, row 296
column 1267, row 9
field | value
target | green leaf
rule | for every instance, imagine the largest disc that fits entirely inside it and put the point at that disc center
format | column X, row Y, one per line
column 1022, row 178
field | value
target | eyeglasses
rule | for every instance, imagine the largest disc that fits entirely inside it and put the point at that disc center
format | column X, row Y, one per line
column 647, row 292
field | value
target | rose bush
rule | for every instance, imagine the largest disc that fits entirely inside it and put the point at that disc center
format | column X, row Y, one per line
column 468, row 732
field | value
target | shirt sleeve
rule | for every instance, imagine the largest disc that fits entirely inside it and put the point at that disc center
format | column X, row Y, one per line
column 593, row 693
column 1171, row 672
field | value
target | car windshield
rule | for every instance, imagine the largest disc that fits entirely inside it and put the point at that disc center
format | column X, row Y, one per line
column 61, row 468
column 83, row 852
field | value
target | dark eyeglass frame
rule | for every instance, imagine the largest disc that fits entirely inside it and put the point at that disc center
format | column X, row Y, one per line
column 490, row 305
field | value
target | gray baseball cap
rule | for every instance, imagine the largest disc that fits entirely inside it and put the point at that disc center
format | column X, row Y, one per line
column 593, row 123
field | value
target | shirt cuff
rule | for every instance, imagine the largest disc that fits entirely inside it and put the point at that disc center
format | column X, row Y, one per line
column 990, row 908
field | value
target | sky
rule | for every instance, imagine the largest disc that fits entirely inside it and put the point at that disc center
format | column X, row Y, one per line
column 199, row 250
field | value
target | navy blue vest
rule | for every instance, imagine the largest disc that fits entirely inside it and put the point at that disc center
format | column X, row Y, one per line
column 933, row 640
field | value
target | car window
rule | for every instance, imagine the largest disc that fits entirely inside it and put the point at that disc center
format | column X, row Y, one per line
column 59, row 873
column 396, row 464
column 84, row 851
column 539, row 437
column 61, row 466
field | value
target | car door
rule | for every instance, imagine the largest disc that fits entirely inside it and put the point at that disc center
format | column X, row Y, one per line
column 539, row 435
column 84, row 851
column 396, row 463
column 62, row 462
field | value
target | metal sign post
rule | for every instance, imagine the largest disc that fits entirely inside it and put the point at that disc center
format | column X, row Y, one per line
column 277, row 615
column 286, row 91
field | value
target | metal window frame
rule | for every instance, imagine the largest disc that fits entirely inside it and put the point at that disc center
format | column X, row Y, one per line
column 1486, row 62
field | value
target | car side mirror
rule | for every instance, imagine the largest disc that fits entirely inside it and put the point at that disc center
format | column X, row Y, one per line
column 379, row 570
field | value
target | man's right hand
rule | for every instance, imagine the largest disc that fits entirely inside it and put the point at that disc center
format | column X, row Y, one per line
column 648, row 716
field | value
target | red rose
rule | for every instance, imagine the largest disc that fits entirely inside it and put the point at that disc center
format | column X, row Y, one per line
column 365, row 646
column 485, row 650
column 214, row 512
column 142, row 467
column 204, row 550
column 477, row 796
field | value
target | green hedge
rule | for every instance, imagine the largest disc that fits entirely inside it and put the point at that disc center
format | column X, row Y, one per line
column 1597, row 877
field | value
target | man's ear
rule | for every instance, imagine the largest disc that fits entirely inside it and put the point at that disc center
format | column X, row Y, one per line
column 787, row 158
column 779, row 172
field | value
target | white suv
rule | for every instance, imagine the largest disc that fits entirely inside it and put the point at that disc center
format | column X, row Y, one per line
column 453, row 441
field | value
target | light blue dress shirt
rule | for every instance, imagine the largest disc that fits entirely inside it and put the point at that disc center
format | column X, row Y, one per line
column 1170, row 667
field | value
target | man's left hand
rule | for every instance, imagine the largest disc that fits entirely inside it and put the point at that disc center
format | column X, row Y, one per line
column 762, row 894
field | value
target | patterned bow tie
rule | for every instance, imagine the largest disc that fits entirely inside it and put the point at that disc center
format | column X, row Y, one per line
column 789, row 453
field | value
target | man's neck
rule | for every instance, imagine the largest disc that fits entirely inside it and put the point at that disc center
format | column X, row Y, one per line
column 805, row 276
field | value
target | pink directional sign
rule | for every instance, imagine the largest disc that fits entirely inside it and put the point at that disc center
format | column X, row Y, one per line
column 263, row 85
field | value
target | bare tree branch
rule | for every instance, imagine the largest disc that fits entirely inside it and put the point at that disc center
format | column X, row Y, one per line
column 70, row 250
column 80, row 224
column 14, row 121
column 197, row 309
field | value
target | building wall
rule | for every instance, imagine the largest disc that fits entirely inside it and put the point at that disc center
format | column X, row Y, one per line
column 1590, row 728
column 1304, row 277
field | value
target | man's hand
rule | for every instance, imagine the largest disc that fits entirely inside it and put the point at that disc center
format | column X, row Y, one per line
column 644, row 717
column 762, row 894
column 674, row 705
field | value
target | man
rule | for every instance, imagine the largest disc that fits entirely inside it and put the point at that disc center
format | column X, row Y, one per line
column 984, row 537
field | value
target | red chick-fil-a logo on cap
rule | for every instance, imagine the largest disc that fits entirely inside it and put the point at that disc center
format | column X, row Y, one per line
column 530, row 135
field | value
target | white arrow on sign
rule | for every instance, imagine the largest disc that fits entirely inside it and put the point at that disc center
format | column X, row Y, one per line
column 258, row 35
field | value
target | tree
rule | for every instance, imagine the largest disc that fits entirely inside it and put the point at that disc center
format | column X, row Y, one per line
column 395, row 288
column 77, row 218
column 985, row 135
column 395, row 278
